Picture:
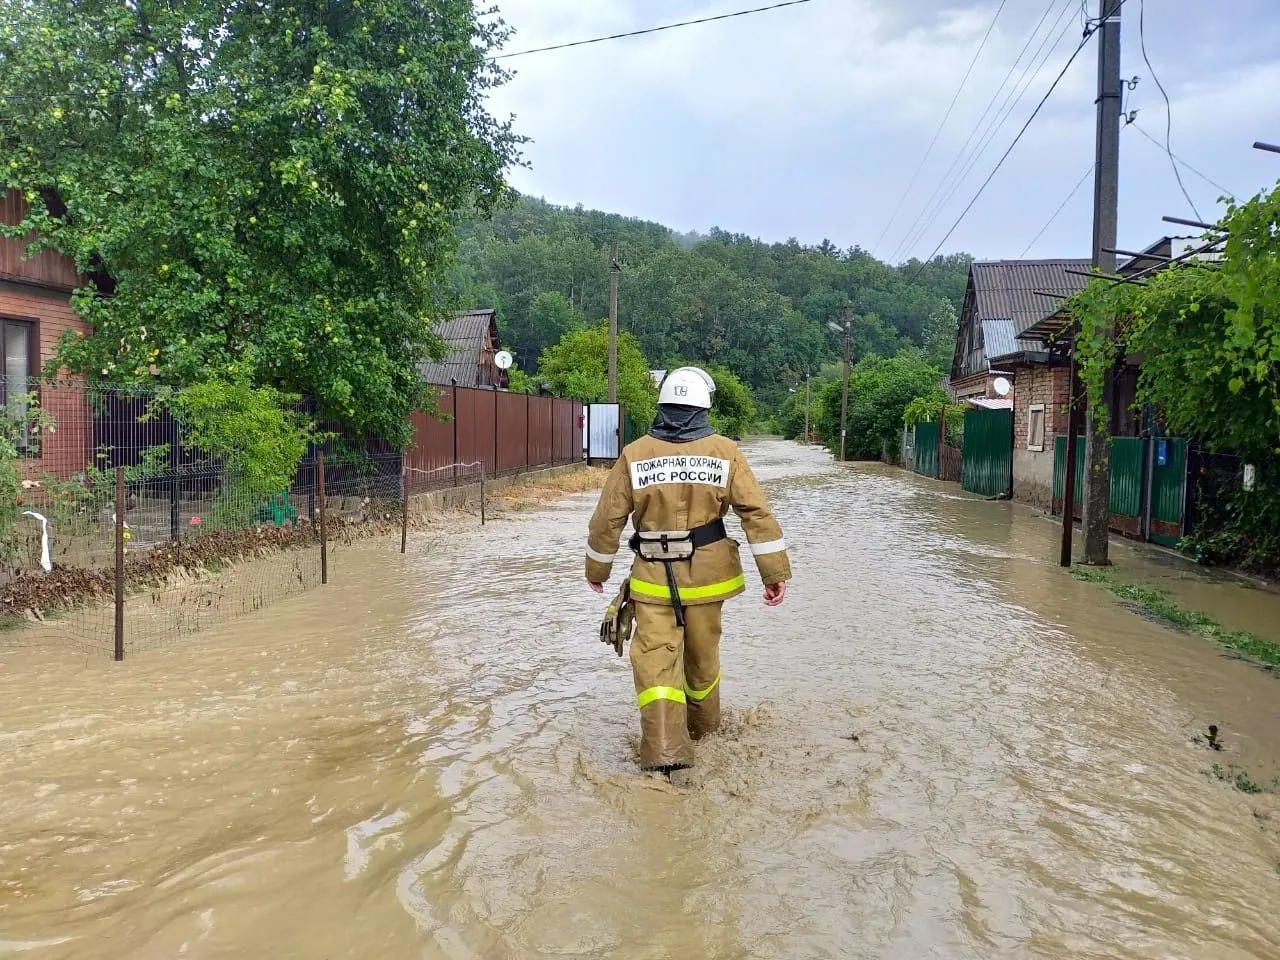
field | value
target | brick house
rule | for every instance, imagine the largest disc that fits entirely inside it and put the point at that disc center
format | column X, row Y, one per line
column 1041, row 368
column 35, row 311
column 1003, row 299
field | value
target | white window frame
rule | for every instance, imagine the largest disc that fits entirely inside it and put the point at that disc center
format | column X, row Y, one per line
column 1031, row 412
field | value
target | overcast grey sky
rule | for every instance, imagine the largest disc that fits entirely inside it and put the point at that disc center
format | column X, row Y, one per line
column 809, row 121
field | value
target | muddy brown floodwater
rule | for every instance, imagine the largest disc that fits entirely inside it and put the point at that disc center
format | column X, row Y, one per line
column 940, row 746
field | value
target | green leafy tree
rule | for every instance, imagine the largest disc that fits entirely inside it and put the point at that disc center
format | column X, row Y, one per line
column 520, row 382
column 578, row 367
column 720, row 299
column 252, row 432
column 260, row 191
column 733, row 411
column 880, row 391
column 1209, row 340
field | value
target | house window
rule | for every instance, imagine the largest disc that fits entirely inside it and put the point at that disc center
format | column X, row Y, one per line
column 1035, row 428
column 17, row 337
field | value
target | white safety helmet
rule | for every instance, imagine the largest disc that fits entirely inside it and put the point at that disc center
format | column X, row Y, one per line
column 687, row 387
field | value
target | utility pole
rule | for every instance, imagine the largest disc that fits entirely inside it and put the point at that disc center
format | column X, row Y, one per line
column 615, row 267
column 1106, row 201
column 806, row 403
column 846, row 328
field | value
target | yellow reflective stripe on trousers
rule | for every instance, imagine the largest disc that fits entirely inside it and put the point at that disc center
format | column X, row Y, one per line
column 646, row 697
column 699, row 695
column 661, row 590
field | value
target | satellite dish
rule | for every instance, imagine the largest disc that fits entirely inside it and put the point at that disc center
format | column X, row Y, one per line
column 503, row 360
column 1002, row 387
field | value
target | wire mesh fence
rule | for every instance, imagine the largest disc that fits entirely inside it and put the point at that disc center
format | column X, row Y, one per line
column 118, row 533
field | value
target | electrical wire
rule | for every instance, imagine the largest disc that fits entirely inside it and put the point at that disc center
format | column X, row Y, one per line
column 1057, row 213
column 558, row 46
column 968, row 160
column 649, row 30
column 1206, row 179
column 1011, row 103
column 1168, row 104
column 1005, row 156
column 962, row 154
column 937, row 133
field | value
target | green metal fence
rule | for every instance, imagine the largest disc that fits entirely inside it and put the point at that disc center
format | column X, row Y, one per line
column 631, row 430
column 1168, row 490
column 1127, row 456
column 928, row 441
column 1060, row 468
column 988, row 452
column 1129, row 460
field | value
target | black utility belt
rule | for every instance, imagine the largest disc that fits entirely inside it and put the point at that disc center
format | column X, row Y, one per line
column 666, row 545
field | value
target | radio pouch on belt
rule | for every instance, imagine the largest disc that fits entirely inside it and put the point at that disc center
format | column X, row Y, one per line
column 668, row 546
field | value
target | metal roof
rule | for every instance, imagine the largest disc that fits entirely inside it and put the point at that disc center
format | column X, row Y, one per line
column 1015, row 290
column 463, row 337
column 990, row 403
column 997, row 338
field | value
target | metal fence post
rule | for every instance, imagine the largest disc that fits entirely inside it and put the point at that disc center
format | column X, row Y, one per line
column 119, row 651
column 324, row 530
column 175, row 482
column 404, row 507
column 455, row 434
column 528, row 432
column 482, row 517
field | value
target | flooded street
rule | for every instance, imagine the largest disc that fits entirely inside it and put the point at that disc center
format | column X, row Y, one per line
column 941, row 746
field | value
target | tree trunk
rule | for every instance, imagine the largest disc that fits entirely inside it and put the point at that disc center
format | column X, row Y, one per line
column 1097, row 487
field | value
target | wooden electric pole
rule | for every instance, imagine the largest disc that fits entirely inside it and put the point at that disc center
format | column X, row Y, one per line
column 1106, row 201
column 615, row 267
column 806, row 404
column 844, row 398
column 844, row 327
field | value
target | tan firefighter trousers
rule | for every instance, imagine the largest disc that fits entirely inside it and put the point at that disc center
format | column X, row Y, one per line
column 677, row 674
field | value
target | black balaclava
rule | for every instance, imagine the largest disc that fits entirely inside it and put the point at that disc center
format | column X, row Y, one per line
column 680, row 424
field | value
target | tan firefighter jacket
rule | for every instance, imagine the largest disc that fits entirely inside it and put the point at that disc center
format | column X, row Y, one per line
column 678, row 486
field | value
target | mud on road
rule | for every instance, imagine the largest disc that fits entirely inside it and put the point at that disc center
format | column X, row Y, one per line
column 940, row 746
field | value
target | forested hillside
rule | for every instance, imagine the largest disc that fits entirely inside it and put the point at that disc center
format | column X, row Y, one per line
column 723, row 299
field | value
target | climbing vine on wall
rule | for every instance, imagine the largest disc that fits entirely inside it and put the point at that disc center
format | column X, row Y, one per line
column 1207, row 335
column 1105, row 311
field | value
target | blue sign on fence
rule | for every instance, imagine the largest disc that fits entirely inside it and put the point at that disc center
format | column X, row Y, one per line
column 1162, row 453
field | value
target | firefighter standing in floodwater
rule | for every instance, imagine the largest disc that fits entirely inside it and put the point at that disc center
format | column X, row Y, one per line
column 678, row 482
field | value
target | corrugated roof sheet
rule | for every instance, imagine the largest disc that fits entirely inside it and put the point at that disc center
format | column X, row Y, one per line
column 1015, row 290
column 997, row 338
column 464, row 340
column 985, row 403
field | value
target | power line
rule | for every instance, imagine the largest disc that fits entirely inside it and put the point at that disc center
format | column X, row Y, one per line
column 1005, row 156
column 963, row 152
column 1057, row 213
column 937, row 133
column 1006, row 109
column 1168, row 104
column 649, row 30
column 949, row 187
column 1160, row 146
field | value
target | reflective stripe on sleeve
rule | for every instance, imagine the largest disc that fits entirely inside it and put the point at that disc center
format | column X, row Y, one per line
column 699, row 695
column 662, row 591
column 599, row 557
column 646, row 697
column 771, row 546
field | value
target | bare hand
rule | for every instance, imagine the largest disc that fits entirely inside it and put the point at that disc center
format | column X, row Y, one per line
column 775, row 593
column 596, row 587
